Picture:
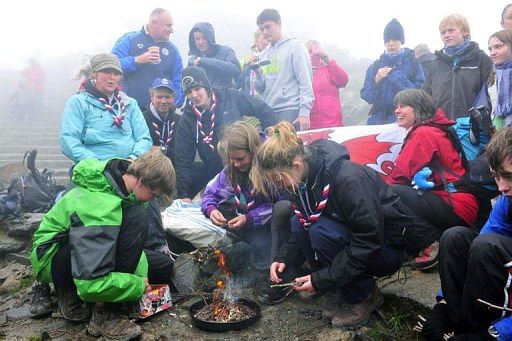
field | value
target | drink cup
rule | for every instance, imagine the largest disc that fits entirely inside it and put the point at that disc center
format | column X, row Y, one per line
column 155, row 50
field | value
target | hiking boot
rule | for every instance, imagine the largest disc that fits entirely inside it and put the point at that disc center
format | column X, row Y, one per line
column 71, row 307
column 41, row 303
column 332, row 303
column 351, row 316
column 271, row 296
column 109, row 322
column 428, row 258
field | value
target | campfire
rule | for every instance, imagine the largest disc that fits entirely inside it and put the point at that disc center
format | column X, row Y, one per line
column 224, row 307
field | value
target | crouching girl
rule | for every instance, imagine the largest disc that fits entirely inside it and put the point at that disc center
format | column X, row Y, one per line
column 229, row 200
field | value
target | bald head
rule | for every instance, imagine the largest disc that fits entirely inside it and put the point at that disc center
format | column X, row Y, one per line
column 160, row 25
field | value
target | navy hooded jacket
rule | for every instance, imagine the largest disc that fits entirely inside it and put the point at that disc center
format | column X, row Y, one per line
column 219, row 62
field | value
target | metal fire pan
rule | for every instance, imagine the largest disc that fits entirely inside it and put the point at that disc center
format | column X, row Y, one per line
column 224, row 326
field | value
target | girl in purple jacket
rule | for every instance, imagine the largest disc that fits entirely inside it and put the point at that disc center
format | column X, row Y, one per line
column 229, row 200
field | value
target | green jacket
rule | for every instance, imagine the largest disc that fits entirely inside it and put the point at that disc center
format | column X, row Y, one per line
column 89, row 217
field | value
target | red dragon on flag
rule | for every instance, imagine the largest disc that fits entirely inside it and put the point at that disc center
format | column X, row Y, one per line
column 374, row 146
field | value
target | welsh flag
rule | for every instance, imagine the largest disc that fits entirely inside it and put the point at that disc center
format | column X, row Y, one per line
column 375, row 146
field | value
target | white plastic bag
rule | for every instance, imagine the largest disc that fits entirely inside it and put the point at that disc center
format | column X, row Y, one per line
column 186, row 222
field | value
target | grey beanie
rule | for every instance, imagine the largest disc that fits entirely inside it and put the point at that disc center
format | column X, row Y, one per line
column 193, row 77
column 105, row 61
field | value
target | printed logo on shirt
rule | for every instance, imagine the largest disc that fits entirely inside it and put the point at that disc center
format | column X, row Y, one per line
column 165, row 51
column 140, row 45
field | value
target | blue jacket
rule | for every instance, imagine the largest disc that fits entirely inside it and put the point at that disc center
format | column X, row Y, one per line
column 406, row 74
column 138, row 78
column 220, row 62
column 87, row 130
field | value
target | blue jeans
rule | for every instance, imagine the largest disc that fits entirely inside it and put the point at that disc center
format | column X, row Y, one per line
column 326, row 238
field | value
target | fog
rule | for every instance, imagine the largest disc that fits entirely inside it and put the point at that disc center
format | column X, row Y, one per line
column 49, row 29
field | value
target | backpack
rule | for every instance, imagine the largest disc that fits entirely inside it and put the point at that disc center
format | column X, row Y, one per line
column 478, row 178
column 9, row 206
column 35, row 189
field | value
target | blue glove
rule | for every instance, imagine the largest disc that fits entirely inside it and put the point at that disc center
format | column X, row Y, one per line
column 504, row 328
column 420, row 179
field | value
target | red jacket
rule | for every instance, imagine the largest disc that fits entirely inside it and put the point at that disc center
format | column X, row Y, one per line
column 326, row 111
column 422, row 145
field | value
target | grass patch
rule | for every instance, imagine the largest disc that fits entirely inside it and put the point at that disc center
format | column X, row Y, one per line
column 398, row 315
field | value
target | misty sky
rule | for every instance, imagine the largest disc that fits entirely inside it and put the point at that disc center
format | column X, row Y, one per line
column 46, row 29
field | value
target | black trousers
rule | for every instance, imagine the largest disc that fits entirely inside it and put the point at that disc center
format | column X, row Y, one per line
column 429, row 206
column 129, row 247
column 473, row 266
column 280, row 227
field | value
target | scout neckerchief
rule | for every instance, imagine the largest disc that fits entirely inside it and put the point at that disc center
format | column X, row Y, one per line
column 206, row 138
column 117, row 117
column 250, row 204
column 305, row 220
column 166, row 127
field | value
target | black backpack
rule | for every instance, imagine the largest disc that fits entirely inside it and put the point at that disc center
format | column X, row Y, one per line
column 35, row 189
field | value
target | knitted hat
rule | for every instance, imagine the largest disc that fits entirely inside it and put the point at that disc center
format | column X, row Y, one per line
column 193, row 77
column 394, row 30
column 105, row 61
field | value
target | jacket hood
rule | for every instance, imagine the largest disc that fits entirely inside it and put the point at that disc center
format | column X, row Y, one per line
column 103, row 176
column 205, row 28
column 325, row 154
column 439, row 119
column 89, row 174
column 472, row 52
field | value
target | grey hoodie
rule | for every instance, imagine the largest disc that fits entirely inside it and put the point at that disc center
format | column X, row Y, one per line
column 288, row 79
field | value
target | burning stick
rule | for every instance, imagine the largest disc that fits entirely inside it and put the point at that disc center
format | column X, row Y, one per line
column 284, row 285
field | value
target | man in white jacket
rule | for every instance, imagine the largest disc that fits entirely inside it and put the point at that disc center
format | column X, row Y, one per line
column 288, row 77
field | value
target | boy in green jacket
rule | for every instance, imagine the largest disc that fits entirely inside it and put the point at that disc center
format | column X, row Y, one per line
column 90, row 244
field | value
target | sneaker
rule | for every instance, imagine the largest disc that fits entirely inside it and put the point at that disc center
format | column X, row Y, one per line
column 41, row 303
column 428, row 258
column 351, row 316
column 71, row 307
column 332, row 303
column 271, row 296
column 112, row 324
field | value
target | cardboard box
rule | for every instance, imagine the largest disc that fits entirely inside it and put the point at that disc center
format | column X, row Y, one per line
column 157, row 300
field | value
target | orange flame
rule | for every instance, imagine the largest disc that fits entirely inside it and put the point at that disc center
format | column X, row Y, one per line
column 220, row 284
column 221, row 261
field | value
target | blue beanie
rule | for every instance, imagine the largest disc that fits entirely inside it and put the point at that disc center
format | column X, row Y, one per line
column 394, row 31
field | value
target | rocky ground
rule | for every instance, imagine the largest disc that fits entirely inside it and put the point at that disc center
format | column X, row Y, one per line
column 298, row 318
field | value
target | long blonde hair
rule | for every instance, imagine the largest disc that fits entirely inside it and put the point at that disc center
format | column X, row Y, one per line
column 238, row 136
column 273, row 163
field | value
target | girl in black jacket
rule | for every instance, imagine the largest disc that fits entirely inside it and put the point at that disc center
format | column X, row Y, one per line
column 348, row 224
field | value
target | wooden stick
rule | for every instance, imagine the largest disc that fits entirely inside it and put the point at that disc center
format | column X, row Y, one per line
column 284, row 285
column 493, row 306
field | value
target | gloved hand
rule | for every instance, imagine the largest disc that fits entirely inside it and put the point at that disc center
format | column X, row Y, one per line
column 420, row 179
column 504, row 328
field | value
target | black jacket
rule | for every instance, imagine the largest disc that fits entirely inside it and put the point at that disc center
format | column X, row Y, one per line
column 454, row 88
column 150, row 120
column 220, row 62
column 359, row 199
column 231, row 106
